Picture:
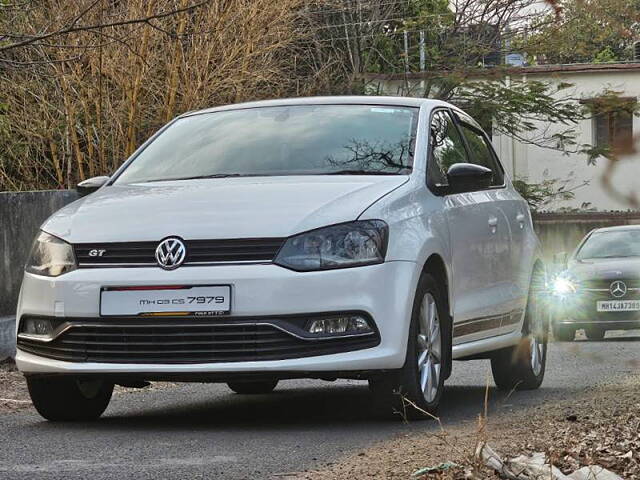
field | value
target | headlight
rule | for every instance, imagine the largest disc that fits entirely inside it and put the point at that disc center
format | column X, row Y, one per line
column 339, row 246
column 563, row 285
column 50, row 256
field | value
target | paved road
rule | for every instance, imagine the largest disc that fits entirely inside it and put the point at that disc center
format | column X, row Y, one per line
column 205, row 431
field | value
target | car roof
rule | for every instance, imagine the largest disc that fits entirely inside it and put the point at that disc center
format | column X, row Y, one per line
column 334, row 100
column 617, row 228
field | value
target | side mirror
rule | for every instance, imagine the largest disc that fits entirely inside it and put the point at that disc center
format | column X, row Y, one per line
column 90, row 185
column 467, row 177
column 561, row 259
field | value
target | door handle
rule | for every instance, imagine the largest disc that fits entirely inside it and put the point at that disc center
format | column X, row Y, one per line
column 521, row 218
column 493, row 224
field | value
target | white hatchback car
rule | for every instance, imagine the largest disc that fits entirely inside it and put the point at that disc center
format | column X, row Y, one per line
column 370, row 238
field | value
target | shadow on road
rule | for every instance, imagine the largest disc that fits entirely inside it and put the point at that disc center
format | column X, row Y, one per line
column 313, row 408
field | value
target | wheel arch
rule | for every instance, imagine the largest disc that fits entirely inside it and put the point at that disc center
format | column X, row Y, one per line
column 436, row 267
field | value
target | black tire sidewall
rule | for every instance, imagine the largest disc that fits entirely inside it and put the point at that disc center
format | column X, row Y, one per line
column 253, row 387
column 511, row 366
column 410, row 374
column 60, row 399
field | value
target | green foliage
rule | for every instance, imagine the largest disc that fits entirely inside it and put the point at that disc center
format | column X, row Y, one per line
column 606, row 55
column 586, row 31
column 540, row 195
column 515, row 107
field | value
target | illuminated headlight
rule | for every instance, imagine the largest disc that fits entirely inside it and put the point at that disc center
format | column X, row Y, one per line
column 339, row 246
column 564, row 286
column 350, row 324
column 50, row 256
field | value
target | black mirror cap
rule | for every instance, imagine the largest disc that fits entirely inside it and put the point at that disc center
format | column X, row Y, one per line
column 468, row 177
column 90, row 185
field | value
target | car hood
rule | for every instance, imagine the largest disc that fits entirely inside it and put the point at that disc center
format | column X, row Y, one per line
column 606, row 268
column 218, row 208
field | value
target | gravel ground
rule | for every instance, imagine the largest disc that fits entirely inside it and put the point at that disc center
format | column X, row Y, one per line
column 599, row 427
column 14, row 395
column 585, row 412
column 13, row 390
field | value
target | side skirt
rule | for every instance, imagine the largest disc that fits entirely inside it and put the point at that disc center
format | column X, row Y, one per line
column 466, row 351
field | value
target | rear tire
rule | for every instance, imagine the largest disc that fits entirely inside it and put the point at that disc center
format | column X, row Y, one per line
column 564, row 333
column 522, row 366
column 595, row 333
column 414, row 392
column 64, row 399
column 253, row 388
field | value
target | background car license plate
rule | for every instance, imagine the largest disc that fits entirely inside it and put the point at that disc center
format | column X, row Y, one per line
column 619, row 306
column 202, row 300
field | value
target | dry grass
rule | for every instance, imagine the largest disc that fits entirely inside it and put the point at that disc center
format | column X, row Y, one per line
column 600, row 427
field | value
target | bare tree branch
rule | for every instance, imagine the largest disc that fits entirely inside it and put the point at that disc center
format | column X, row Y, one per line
column 73, row 27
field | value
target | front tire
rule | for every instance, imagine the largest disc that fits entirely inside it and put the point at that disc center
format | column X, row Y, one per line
column 63, row 399
column 414, row 392
column 253, row 388
column 522, row 366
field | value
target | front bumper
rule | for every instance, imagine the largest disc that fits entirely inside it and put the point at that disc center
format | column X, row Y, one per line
column 385, row 292
column 580, row 311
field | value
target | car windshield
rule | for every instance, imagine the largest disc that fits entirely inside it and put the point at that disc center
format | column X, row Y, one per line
column 283, row 140
column 616, row 244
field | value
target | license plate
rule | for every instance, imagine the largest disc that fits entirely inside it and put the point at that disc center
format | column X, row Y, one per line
column 619, row 306
column 204, row 300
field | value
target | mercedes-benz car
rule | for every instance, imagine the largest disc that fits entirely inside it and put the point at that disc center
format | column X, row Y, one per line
column 371, row 238
column 600, row 288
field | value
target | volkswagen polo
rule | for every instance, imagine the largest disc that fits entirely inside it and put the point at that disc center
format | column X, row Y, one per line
column 367, row 238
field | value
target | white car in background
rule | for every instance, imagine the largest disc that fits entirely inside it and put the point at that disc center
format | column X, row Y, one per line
column 370, row 238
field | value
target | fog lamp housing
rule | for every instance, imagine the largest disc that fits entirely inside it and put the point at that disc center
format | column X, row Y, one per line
column 342, row 325
column 42, row 327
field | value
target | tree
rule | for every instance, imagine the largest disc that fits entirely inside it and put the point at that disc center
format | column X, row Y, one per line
column 85, row 82
column 456, row 39
column 585, row 31
column 460, row 45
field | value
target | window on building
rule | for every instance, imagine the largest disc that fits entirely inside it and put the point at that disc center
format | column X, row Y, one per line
column 612, row 120
column 613, row 129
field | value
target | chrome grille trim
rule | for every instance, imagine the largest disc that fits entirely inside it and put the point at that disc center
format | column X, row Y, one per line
column 198, row 252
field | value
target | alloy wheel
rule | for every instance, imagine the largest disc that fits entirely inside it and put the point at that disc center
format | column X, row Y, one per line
column 536, row 334
column 429, row 348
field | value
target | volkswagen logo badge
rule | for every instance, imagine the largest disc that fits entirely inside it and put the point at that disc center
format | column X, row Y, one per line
column 618, row 289
column 171, row 253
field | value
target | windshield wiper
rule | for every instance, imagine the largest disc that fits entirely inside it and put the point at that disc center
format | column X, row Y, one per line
column 199, row 177
column 610, row 256
column 361, row 172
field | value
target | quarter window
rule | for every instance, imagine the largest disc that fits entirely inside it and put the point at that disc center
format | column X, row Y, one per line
column 480, row 152
column 446, row 148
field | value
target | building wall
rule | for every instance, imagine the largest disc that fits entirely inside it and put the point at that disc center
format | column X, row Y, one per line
column 536, row 163
column 21, row 215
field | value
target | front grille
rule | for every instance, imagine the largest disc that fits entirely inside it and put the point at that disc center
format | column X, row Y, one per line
column 603, row 284
column 199, row 252
column 185, row 340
